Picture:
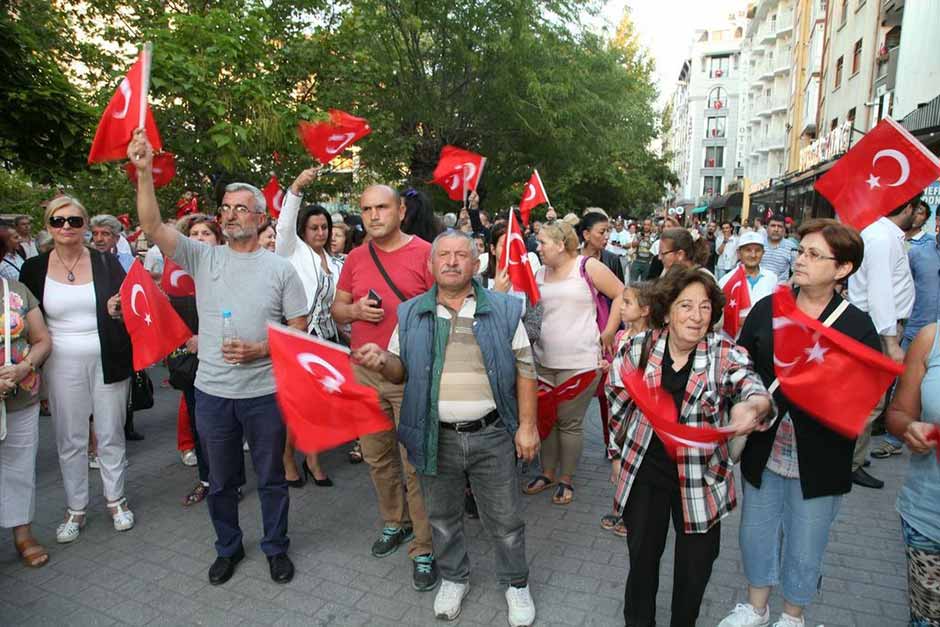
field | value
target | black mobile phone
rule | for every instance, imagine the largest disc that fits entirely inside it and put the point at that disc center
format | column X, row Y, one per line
column 374, row 296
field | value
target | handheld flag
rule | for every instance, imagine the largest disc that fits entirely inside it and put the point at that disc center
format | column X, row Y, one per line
column 737, row 301
column 325, row 140
column 884, row 169
column 175, row 281
column 830, row 375
column 127, row 111
column 458, row 171
column 534, row 196
column 273, row 196
column 155, row 328
column 322, row 403
column 515, row 257
column 164, row 169
column 186, row 206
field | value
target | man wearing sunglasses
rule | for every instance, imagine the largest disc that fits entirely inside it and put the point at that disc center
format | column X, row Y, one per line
column 234, row 382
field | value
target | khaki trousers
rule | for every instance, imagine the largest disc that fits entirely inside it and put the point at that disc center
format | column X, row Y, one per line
column 864, row 438
column 386, row 459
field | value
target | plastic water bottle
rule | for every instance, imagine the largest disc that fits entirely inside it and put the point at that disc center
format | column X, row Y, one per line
column 229, row 334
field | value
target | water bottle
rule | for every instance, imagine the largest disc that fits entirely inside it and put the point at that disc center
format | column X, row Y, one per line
column 229, row 334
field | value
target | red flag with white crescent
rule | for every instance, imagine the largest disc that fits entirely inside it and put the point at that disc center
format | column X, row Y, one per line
column 273, row 196
column 828, row 374
column 326, row 140
column 176, row 281
column 121, row 117
column 458, row 171
column 887, row 167
column 737, row 301
column 533, row 196
column 550, row 397
column 164, row 169
column 155, row 328
column 321, row 402
column 515, row 257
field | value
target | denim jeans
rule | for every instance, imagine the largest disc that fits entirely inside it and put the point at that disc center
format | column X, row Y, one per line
column 777, row 522
column 488, row 459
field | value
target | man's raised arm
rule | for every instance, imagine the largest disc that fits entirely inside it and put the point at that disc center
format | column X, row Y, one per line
column 140, row 153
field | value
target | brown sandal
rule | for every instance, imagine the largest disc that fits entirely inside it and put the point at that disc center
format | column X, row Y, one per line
column 564, row 494
column 32, row 554
column 539, row 484
column 197, row 495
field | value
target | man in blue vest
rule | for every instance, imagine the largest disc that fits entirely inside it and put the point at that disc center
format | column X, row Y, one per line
column 469, row 410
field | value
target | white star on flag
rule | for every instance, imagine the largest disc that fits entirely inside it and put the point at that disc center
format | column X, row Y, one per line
column 873, row 181
column 331, row 384
column 148, row 319
column 733, row 303
column 817, row 353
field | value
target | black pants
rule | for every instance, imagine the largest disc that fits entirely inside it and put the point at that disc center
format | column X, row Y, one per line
column 202, row 460
column 646, row 516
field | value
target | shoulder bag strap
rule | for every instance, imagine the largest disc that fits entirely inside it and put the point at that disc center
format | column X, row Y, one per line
column 828, row 322
column 388, row 279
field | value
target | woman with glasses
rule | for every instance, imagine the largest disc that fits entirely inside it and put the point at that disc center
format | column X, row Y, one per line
column 89, row 369
column 796, row 472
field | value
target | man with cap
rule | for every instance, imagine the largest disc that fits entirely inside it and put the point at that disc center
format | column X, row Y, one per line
column 760, row 283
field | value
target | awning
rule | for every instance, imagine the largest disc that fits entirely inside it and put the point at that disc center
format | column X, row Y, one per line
column 701, row 209
column 728, row 200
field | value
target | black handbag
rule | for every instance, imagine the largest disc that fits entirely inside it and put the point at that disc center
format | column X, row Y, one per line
column 141, row 391
column 182, row 366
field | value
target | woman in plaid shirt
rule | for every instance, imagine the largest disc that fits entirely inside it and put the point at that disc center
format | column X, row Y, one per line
column 712, row 383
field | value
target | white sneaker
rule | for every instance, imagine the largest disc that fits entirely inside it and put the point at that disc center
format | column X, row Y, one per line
column 188, row 457
column 71, row 528
column 744, row 615
column 122, row 516
column 448, row 599
column 521, row 606
column 789, row 621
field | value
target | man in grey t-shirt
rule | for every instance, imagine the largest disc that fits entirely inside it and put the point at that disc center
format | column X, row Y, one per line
column 234, row 383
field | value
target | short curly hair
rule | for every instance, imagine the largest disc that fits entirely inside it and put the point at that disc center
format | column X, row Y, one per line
column 668, row 288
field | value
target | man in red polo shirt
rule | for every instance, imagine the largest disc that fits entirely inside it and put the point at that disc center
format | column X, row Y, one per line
column 394, row 266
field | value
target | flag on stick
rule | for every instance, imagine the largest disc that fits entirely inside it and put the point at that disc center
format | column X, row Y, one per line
column 534, row 196
column 155, row 328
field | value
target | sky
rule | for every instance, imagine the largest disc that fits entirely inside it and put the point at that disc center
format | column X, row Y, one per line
column 666, row 28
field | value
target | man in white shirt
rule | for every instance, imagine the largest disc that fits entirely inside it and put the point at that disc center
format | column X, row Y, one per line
column 726, row 245
column 760, row 283
column 883, row 287
column 615, row 241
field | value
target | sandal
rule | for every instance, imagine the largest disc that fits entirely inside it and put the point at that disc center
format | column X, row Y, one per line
column 620, row 529
column 534, row 487
column 32, row 554
column 121, row 515
column 197, row 495
column 609, row 521
column 69, row 530
column 564, row 493
column 355, row 454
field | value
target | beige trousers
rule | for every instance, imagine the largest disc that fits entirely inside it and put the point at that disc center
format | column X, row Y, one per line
column 561, row 450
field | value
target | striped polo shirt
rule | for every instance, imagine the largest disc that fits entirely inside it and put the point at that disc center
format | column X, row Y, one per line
column 779, row 259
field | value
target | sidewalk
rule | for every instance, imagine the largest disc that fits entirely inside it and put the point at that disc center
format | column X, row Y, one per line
column 156, row 573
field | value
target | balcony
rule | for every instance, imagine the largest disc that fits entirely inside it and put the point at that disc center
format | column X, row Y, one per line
column 763, row 107
column 782, row 60
column 779, row 104
column 766, row 33
column 784, row 23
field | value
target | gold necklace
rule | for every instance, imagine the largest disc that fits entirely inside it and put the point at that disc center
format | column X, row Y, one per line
column 71, row 275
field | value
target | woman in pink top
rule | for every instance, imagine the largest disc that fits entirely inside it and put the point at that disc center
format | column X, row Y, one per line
column 569, row 344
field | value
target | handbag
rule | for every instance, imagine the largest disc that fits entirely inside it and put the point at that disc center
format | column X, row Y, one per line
column 736, row 445
column 182, row 366
column 141, row 391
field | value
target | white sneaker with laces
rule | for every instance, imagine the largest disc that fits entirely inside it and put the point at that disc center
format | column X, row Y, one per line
column 448, row 599
column 71, row 528
column 122, row 516
column 789, row 621
column 744, row 615
column 188, row 458
column 521, row 606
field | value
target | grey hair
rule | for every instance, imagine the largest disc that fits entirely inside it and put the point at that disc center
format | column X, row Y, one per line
column 450, row 220
column 467, row 237
column 109, row 221
column 260, row 205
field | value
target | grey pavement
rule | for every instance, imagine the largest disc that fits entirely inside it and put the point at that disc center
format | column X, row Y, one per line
column 155, row 574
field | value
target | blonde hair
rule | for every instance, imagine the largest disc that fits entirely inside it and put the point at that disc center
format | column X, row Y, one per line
column 595, row 210
column 563, row 233
column 572, row 219
column 60, row 202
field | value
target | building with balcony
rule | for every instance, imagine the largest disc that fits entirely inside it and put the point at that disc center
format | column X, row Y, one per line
column 809, row 31
column 704, row 137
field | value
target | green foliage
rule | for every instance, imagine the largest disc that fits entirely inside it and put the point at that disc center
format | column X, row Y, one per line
column 521, row 81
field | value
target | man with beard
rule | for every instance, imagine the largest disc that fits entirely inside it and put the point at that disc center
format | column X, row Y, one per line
column 248, row 287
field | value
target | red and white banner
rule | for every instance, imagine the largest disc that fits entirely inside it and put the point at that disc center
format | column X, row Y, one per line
column 273, row 196
column 164, row 169
column 533, row 196
column 551, row 397
column 155, row 328
column 326, row 140
column 458, row 171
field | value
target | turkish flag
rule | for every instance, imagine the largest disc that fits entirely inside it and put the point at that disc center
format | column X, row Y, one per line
column 458, row 171
column 515, row 256
column 164, row 169
column 551, row 397
column 884, row 169
column 325, row 140
column 125, row 220
column 322, row 403
column 122, row 116
column 835, row 378
column 176, row 281
column 660, row 411
column 273, row 196
column 533, row 196
column 155, row 328
column 186, row 206
column 737, row 301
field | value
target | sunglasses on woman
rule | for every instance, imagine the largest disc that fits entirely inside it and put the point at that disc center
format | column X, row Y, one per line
column 76, row 222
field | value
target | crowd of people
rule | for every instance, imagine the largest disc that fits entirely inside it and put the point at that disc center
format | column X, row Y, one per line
column 456, row 354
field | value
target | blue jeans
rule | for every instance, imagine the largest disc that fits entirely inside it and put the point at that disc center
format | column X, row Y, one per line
column 488, row 459
column 777, row 522
column 222, row 423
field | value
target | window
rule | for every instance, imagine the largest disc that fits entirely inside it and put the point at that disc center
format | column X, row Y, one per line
column 837, row 81
column 717, row 98
column 714, row 127
column 718, row 66
column 857, row 57
column 711, row 185
column 834, row 124
column 845, row 13
column 715, row 157
column 851, row 116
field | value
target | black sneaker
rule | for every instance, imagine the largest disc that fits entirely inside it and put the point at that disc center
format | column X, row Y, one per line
column 425, row 575
column 392, row 538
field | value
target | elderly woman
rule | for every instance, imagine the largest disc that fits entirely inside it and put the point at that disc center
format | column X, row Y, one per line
column 19, row 391
column 569, row 344
column 914, row 417
column 90, row 367
column 712, row 383
column 796, row 472
column 305, row 239
column 267, row 235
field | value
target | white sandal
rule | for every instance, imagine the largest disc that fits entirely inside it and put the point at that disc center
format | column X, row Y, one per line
column 122, row 516
column 71, row 528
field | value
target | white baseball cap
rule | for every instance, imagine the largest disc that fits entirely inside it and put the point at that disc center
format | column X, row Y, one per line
column 750, row 237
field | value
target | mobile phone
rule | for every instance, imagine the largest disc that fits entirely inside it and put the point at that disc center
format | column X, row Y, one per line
column 374, row 296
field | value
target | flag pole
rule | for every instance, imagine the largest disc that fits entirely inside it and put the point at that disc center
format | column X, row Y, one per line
column 544, row 191
column 146, row 56
column 463, row 178
column 508, row 237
